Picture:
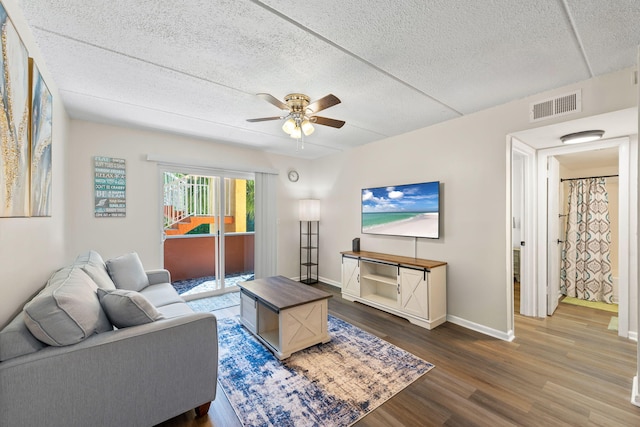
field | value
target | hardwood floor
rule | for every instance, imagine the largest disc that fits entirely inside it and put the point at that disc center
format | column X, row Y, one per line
column 568, row 369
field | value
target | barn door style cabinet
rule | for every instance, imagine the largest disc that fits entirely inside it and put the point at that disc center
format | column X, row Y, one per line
column 413, row 288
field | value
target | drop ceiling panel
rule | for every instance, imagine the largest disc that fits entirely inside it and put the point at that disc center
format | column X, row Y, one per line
column 105, row 74
column 194, row 67
column 468, row 55
column 609, row 31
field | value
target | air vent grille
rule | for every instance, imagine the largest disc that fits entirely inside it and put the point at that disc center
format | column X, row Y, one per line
column 557, row 106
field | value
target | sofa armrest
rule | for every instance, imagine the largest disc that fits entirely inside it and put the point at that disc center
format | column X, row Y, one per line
column 158, row 276
column 141, row 375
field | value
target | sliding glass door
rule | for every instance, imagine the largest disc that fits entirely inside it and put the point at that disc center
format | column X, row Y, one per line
column 208, row 230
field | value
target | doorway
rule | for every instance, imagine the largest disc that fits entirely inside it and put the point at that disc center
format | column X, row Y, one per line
column 604, row 165
column 534, row 293
column 625, row 191
column 522, row 244
column 208, row 230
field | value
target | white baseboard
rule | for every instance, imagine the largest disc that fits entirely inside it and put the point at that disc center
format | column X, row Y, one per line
column 330, row 282
column 633, row 336
column 321, row 279
column 505, row 336
column 635, row 397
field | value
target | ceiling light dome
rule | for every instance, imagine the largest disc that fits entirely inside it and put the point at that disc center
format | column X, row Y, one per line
column 580, row 137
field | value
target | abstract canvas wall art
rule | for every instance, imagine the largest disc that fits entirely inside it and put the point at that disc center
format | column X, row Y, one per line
column 41, row 133
column 14, row 121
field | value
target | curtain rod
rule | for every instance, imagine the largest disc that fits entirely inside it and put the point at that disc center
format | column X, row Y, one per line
column 588, row 177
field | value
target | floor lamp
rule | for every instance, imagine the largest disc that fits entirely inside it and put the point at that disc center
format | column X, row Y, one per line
column 309, row 228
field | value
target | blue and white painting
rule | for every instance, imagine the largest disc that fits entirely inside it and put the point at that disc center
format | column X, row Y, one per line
column 41, row 134
column 14, row 121
column 403, row 210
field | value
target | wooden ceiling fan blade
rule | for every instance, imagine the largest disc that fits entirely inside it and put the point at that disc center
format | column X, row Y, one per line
column 273, row 100
column 264, row 119
column 327, row 122
column 323, row 103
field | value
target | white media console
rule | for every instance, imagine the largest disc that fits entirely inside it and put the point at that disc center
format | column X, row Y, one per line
column 413, row 288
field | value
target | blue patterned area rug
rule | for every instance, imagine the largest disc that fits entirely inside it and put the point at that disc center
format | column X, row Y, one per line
column 332, row 384
column 214, row 303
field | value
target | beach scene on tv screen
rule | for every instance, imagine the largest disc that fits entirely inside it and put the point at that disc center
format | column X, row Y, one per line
column 403, row 210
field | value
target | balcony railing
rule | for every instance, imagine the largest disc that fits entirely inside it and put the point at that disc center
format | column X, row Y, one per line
column 186, row 196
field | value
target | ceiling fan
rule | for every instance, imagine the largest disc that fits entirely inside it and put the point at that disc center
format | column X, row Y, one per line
column 301, row 113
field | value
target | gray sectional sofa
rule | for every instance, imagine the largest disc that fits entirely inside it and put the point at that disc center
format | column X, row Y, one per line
column 106, row 344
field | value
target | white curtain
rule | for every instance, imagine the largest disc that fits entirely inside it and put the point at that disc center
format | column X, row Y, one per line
column 266, row 242
column 586, row 267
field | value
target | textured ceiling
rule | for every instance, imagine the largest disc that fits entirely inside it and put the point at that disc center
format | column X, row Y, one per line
column 193, row 67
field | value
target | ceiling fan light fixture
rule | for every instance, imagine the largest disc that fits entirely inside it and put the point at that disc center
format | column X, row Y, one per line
column 302, row 114
column 307, row 127
column 580, row 137
column 289, row 125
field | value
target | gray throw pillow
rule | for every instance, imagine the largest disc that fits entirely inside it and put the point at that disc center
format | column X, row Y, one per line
column 126, row 308
column 127, row 272
column 67, row 310
column 91, row 263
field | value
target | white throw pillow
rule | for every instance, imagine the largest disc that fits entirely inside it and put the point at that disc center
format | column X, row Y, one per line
column 126, row 308
column 127, row 272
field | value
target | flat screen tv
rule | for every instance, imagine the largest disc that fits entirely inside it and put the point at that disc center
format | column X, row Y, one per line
column 411, row 210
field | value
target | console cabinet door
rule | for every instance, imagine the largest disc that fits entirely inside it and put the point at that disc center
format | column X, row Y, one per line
column 414, row 292
column 350, row 276
column 248, row 312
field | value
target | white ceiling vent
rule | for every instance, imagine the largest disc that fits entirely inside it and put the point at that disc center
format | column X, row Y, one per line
column 556, row 106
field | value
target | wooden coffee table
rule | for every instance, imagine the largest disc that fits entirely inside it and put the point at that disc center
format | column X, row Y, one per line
column 286, row 316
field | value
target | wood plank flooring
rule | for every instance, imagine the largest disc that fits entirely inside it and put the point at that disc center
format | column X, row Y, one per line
column 568, row 369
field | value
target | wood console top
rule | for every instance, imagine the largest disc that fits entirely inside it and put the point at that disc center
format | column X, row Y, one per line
column 402, row 260
column 281, row 293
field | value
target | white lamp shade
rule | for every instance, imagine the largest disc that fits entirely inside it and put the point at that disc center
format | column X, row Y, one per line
column 288, row 126
column 296, row 133
column 307, row 127
column 309, row 210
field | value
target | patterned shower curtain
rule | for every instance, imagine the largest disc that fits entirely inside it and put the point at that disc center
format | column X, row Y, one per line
column 586, row 267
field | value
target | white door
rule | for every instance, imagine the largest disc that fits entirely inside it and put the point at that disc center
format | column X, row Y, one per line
column 553, row 234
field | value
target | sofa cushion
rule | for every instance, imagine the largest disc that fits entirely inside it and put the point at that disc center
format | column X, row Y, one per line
column 67, row 310
column 175, row 310
column 127, row 272
column 127, row 308
column 16, row 340
column 92, row 264
column 161, row 294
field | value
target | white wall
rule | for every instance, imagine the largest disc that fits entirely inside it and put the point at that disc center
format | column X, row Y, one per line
column 31, row 248
column 468, row 155
column 140, row 230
